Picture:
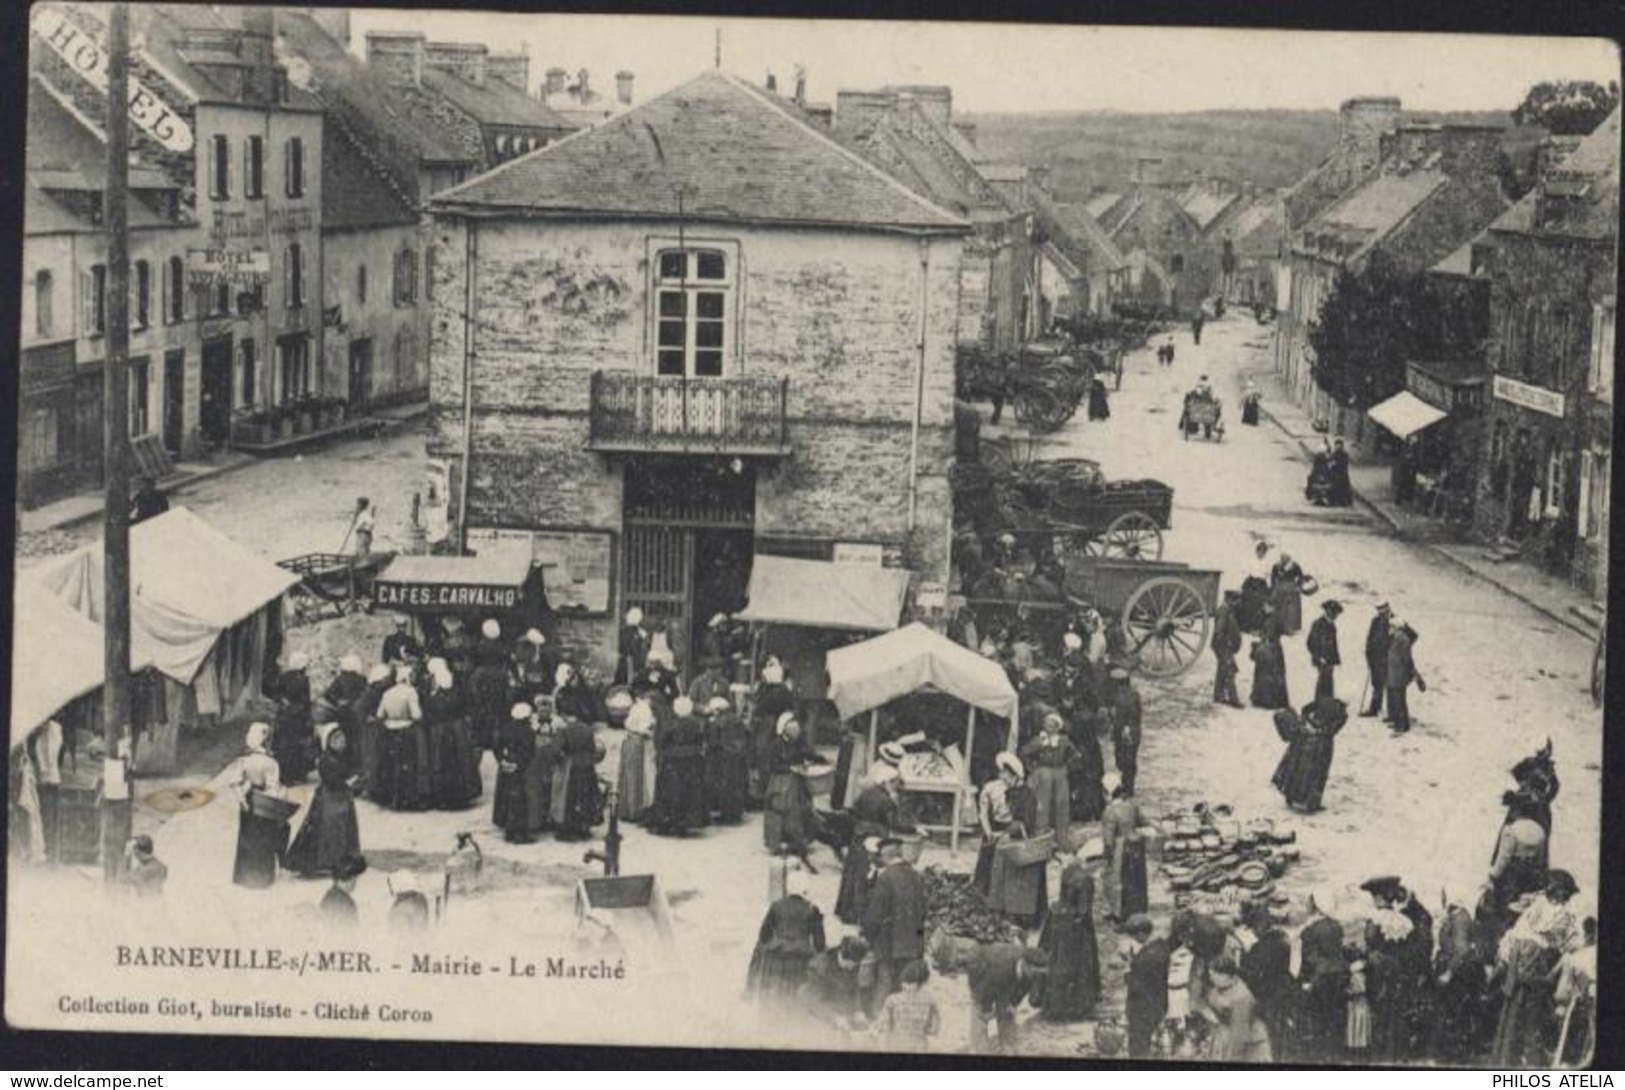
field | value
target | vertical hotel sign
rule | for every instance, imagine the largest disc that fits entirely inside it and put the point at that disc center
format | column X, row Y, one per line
column 84, row 55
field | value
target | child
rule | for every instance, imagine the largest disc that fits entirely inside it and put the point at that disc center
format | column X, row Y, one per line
column 910, row 1018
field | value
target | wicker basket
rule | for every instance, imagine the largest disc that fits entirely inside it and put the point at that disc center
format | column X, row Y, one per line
column 1030, row 852
column 820, row 778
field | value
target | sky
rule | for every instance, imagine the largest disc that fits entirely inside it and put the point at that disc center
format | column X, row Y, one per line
column 1027, row 68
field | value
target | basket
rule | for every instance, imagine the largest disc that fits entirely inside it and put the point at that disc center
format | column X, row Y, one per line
column 1310, row 586
column 269, row 806
column 1030, row 852
column 819, row 778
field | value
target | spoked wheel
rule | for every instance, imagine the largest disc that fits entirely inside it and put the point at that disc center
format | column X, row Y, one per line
column 1167, row 624
column 1033, row 406
column 1132, row 535
column 995, row 454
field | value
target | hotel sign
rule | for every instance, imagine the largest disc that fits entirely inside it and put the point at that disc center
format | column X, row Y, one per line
column 1535, row 398
column 85, row 56
column 245, row 268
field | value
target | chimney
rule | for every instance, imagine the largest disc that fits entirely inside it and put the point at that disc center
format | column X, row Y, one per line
column 397, row 56
column 256, row 50
column 511, row 68
column 335, row 21
column 772, row 83
column 1360, row 126
column 554, row 82
column 858, row 112
column 937, row 101
column 966, row 129
column 465, row 60
column 801, row 86
column 623, row 87
column 821, row 116
column 583, row 88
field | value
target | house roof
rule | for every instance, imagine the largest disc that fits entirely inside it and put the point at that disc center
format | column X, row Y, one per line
column 1259, row 227
column 1459, row 262
column 1205, row 205
column 64, row 150
column 909, row 144
column 1086, row 231
column 732, row 152
column 44, row 215
column 1375, row 207
column 1102, row 203
column 1586, row 181
column 355, row 193
column 197, row 67
column 496, row 103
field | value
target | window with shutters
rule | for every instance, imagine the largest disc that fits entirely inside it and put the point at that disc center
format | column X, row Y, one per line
column 406, row 277
column 98, row 300
column 141, row 292
column 247, row 372
column 254, row 167
column 44, row 303
column 175, row 291
column 220, row 167
column 293, row 165
column 361, row 284
column 140, row 404
column 693, row 307
column 294, row 270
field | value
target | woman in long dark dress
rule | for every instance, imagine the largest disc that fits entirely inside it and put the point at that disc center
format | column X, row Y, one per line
column 1269, row 670
column 293, row 744
column 369, row 729
column 1255, row 592
column 1007, row 810
column 1068, row 936
column 262, row 835
column 679, row 805
column 773, row 699
column 511, row 809
column 727, row 742
column 1286, row 591
column 578, row 802
column 1086, row 774
column 1099, row 406
column 490, row 687
column 403, row 771
column 875, row 813
column 791, row 933
column 330, row 832
column 453, row 761
column 788, row 820
column 1311, row 742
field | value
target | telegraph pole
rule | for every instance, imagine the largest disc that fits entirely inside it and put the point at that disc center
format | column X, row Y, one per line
column 116, row 453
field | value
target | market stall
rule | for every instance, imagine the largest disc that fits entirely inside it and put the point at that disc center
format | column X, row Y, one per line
column 204, row 610
column 865, row 676
column 500, row 583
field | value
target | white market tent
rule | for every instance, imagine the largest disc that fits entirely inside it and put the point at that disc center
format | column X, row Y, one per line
column 866, row 675
column 188, row 584
column 56, row 658
column 820, row 594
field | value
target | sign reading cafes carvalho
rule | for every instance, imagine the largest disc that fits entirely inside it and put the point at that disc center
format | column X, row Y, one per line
column 444, row 596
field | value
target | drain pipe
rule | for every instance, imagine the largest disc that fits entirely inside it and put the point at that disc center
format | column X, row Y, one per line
column 470, row 254
column 919, row 389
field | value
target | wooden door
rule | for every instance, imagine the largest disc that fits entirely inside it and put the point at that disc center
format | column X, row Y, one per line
column 174, row 400
column 360, row 372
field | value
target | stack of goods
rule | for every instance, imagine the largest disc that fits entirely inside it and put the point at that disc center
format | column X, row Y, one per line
column 1205, row 851
column 953, row 907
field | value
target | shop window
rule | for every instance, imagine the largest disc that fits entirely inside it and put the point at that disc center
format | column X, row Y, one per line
column 140, row 401
column 44, row 303
column 248, row 371
column 254, row 167
column 175, row 291
column 692, row 296
column 141, row 288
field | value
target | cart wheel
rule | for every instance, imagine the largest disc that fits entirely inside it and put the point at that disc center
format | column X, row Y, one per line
column 1033, row 407
column 1599, row 671
column 1167, row 624
column 1132, row 535
column 995, row 455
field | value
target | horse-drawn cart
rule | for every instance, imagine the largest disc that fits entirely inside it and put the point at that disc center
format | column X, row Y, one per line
column 1067, row 507
column 332, row 584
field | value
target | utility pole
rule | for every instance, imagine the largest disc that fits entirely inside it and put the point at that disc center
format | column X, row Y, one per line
column 116, row 453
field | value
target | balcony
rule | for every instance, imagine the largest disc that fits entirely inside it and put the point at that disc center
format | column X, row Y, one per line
column 633, row 413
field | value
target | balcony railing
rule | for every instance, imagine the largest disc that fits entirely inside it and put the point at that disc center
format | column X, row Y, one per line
column 632, row 412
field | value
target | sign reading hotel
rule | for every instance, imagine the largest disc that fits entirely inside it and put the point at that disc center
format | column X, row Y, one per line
column 1535, row 398
column 444, row 596
column 82, row 53
column 217, row 266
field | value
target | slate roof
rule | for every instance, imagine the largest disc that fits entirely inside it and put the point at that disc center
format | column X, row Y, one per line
column 1203, row 205
column 43, row 215
column 354, row 196
column 164, row 29
column 1459, row 262
column 63, row 152
column 496, row 103
column 1100, row 204
column 1102, row 253
column 1258, row 228
column 1374, row 208
column 734, row 151
column 1587, row 182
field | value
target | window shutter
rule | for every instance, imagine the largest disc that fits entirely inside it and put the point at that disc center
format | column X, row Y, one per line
column 287, row 167
column 304, row 275
column 86, row 315
column 1588, row 524
column 288, row 257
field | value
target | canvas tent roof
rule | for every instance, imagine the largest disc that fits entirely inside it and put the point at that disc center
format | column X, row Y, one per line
column 188, row 583
column 820, row 594
column 868, row 674
column 58, row 660
column 1405, row 414
column 492, row 568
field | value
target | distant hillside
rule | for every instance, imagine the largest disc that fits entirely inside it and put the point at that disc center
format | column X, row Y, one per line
column 1084, row 151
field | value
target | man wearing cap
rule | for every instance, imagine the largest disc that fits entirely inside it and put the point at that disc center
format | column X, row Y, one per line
column 1377, row 639
column 1146, row 1004
column 1226, row 646
column 1322, row 644
column 400, row 645
column 894, row 920
column 1126, row 716
column 1000, row 976
column 1401, row 672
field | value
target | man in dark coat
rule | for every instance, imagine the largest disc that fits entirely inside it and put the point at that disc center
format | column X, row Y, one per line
column 1377, row 638
column 1342, row 492
column 400, row 646
column 1000, row 975
column 1323, row 983
column 1266, row 968
column 1147, row 1002
column 1323, row 648
column 1126, row 715
column 1400, row 673
column 1226, row 646
column 894, row 922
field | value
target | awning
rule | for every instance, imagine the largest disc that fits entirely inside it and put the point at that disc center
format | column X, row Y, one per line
column 1405, row 414
column 493, row 580
column 188, row 583
column 868, row 674
column 59, row 660
column 821, row 594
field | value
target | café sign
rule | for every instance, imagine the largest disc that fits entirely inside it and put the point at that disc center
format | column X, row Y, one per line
column 85, row 56
column 1535, row 398
column 444, row 596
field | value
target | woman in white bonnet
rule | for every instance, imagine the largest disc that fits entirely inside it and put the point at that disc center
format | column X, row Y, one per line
column 773, row 700
column 635, row 780
column 453, row 761
column 679, row 806
column 261, row 834
column 787, row 825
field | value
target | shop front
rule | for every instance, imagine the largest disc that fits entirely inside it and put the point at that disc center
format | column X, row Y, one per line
column 444, row 593
column 1436, row 424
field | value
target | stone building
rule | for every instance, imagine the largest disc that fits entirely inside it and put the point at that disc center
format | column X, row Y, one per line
column 1079, row 271
column 1435, row 187
column 1361, row 124
column 1551, row 265
column 246, row 180
column 1169, row 266
column 1252, row 250
column 699, row 332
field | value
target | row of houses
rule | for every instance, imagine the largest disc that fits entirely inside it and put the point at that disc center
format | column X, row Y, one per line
column 278, row 241
column 1509, row 428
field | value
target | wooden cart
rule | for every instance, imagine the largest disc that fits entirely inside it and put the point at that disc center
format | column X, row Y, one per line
column 332, row 584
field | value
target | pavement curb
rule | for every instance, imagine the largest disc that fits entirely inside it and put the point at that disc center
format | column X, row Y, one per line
column 1455, row 561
